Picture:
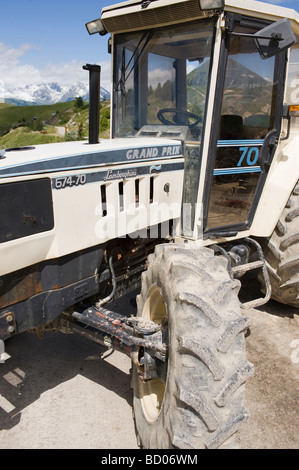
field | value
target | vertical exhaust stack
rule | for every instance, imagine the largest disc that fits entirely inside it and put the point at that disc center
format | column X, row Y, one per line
column 94, row 101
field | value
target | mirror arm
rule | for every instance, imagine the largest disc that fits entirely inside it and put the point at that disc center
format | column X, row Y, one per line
column 276, row 37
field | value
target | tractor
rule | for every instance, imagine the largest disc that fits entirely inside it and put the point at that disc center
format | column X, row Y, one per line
column 194, row 195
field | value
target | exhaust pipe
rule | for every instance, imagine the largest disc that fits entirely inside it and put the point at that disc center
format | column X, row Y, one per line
column 94, row 102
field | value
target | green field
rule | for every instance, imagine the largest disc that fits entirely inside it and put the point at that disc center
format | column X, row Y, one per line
column 23, row 136
column 12, row 116
column 33, row 125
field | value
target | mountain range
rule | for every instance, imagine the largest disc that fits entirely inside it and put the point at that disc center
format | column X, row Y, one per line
column 237, row 76
column 49, row 93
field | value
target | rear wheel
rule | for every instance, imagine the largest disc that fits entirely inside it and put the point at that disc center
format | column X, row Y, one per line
column 197, row 399
column 281, row 252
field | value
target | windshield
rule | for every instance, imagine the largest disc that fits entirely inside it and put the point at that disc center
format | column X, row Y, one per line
column 161, row 80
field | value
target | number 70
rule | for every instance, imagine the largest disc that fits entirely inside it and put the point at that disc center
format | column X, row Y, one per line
column 251, row 154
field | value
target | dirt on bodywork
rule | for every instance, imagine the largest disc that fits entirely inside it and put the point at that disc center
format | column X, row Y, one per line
column 63, row 391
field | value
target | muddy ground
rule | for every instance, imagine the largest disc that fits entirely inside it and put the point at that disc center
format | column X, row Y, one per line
column 63, row 391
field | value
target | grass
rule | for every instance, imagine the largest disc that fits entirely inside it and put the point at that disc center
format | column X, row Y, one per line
column 4, row 105
column 19, row 128
column 24, row 136
column 15, row 114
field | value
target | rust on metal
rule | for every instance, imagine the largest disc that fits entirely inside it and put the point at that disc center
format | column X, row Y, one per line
column 15, row 289
column 100, row 324
column 7, row 324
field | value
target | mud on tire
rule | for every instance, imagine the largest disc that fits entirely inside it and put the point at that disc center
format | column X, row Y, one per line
column 199, row 403
column 281, row 252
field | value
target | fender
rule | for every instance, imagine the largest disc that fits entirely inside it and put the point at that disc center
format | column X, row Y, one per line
column 283, row 175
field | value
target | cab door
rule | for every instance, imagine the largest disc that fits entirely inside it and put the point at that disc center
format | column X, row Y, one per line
column 246, row 126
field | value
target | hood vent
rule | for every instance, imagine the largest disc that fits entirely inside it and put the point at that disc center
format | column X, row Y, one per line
column 151, row 17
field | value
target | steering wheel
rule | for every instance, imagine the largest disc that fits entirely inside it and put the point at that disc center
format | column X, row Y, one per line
column 176, row 119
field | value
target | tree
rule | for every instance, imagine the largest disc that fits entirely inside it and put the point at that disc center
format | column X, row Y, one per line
column 81, row 131
column 37, row 125
column 79, row 102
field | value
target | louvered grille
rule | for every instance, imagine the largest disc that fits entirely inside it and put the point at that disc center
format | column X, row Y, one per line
column 153, row 17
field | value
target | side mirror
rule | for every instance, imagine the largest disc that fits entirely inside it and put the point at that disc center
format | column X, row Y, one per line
column 275, row 38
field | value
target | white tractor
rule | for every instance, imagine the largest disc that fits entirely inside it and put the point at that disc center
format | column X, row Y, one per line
column 196, row 190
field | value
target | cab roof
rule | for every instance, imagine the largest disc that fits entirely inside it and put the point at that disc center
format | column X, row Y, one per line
column 182, row 10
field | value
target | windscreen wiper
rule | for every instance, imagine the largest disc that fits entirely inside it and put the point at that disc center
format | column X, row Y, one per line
column 123, row 79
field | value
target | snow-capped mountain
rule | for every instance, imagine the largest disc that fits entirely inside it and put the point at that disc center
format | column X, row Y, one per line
column 49, row 93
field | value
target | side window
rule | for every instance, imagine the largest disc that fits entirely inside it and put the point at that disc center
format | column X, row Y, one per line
column 247, row 98
column 125, row 90
column 247, row 116
column 292, row 93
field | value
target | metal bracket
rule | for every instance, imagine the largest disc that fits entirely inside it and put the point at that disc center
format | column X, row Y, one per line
column 236, row 271
column 261, row 263
column 7, row 324
column 144, row 326
column 113, row 330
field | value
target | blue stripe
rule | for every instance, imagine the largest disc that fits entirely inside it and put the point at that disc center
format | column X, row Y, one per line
column 234, row 171
column 101, row 158
column 238, row 143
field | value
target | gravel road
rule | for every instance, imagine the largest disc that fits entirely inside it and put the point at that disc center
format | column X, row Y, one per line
column 65, row 392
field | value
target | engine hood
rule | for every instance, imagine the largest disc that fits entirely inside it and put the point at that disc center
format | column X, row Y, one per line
column 65, row 156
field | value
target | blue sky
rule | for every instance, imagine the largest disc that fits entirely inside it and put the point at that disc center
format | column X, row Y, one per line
column 41, row 42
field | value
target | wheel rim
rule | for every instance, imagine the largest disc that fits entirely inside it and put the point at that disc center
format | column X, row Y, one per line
column 152, row 391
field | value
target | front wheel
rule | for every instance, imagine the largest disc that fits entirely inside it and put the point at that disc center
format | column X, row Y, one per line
column 197, row 399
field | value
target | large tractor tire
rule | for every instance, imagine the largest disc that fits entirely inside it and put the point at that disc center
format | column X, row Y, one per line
column 197, row 399
column 281, row 252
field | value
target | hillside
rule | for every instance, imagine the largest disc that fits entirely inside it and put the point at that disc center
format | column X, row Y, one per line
column 23, row 136
column 13, row 116
column 32, row 125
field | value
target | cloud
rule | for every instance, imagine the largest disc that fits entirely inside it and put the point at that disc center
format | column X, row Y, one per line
column 15, row 73
column 159, row 76
column 10, row 55
column 11, row 71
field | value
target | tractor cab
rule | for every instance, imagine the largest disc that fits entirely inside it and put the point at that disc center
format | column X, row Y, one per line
column 213, row 78
column 161, row 80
